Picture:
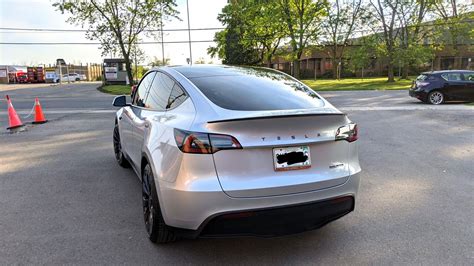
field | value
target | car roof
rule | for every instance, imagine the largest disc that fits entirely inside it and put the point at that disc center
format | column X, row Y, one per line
column 199, row 71
column 446, row 71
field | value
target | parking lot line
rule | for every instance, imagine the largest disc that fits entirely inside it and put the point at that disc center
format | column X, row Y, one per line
column 68, row 111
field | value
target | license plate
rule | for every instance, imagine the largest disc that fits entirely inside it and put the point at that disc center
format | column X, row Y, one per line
column 291, row 158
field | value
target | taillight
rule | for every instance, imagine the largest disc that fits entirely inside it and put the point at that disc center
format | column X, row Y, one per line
column 348, row 132
column 421, row 84
column 204, row 143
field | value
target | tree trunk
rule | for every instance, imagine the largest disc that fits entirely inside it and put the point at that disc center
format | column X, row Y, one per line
column 269, row 61
column 296, row 68
column 405, row 72
column 334, row 68
column 391, row 77
column 128, row 67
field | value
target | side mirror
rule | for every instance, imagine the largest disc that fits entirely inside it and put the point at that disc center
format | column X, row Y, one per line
column 120, row 101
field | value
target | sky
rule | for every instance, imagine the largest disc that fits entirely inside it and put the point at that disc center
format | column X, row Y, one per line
column 41, row 14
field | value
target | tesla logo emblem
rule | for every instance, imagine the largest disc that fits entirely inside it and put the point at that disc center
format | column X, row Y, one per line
column 292, row 137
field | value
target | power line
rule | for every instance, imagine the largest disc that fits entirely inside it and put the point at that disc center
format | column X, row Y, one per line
column 178, row 42
column 93, row 43
column 197, row 29
column 77, row 30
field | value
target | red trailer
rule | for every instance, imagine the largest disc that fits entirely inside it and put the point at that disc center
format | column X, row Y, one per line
column 35, row 74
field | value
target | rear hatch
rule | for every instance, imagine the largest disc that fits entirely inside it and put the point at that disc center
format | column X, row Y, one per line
column 254, row 171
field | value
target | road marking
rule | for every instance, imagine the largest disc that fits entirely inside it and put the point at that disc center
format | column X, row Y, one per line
column 408, row 108
column 69, row 111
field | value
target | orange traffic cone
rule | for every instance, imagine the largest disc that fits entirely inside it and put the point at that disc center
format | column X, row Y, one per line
column 13, row 118
column 39, row 116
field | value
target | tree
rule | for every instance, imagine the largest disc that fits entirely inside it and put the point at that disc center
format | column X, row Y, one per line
column 200, row 61
column 266, row 28
column 343, row 17
column 253, row 32
column 159, row 62
column 302, row 19
column 139, row 71
column 118, row 24
column 412, row 48
column 455, row 24
column 362, row 55
column 385, row 12
column 232, row 46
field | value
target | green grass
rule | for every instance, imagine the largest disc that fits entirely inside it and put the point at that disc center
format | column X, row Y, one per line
column 116, row 89
column 349, row 84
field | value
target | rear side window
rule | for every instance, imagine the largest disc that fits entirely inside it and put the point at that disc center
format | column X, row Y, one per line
column 469, row 77
column 176, row 98
column 160, row 92
column 256, row 91
column 140, row 94
column 452, row 76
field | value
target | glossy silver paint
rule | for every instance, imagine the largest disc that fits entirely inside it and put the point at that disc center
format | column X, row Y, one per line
column 193, row 187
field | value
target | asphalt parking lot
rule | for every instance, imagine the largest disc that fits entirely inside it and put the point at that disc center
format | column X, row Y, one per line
column 63, row 199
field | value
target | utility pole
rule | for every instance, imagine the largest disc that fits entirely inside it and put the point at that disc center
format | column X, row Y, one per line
column 162, row 38
column 189, row 35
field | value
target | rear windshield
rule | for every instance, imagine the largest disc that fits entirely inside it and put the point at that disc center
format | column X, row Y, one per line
column 257, row 91
column 421, row 77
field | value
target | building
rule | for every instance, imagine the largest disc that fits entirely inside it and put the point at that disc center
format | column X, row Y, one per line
column 115, row 71
column 318, row 63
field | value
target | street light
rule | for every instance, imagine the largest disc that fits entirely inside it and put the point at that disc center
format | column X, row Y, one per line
column 189, row 35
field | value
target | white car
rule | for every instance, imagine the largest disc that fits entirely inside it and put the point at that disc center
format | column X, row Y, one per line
column 71, row 77
column 233, row 151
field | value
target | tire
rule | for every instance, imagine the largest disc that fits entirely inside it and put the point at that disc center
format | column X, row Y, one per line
column 119, row 156
column 78, row 79
column 158, row 231
column 436, row 97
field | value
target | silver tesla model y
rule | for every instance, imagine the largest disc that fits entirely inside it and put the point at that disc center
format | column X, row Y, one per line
column 230, row 151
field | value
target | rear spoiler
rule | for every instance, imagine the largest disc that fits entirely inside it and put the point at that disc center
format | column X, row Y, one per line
column 271, row 116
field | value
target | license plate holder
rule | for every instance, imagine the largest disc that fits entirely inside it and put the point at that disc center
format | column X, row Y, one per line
column 291, row 158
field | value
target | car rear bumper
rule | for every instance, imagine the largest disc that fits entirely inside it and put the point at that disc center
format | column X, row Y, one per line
column 213, row 213
column 421, row 95
column 280, row 220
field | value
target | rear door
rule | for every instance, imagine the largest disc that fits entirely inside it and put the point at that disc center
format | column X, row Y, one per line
column 131, row 114
column 155, row 105
column 454, row 86
column 469, row 79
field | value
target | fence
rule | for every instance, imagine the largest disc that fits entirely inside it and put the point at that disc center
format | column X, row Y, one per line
column 92, row 71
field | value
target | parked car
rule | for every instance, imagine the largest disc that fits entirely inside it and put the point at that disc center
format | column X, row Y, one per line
column 72, row 77
column 226, row 150
column 438, row 87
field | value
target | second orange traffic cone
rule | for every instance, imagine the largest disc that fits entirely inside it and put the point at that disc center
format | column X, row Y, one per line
column 39, row 116
column 13, row 118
